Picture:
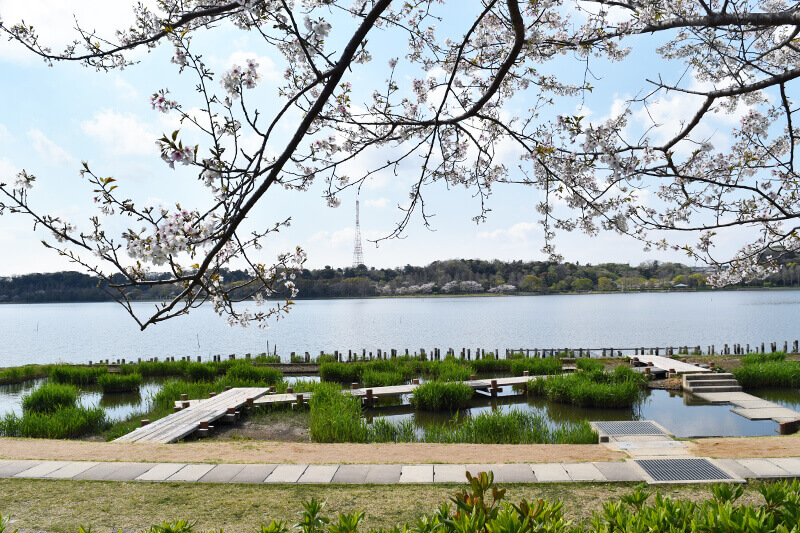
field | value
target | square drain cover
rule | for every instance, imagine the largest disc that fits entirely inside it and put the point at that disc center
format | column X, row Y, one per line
column 682, row 470
column 630, row 428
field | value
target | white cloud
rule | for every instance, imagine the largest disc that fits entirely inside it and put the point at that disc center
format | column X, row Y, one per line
column 518, row 232
column 123, row 134
column 5, row 135
column 49, row 151
column 125, row 89
column 7, row 170
column 380, row 202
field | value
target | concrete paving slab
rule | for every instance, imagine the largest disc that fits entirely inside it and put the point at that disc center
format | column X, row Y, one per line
column 549, row 472
column 190, row 473
column 383, row 474
column 790, row 464
column 650, row 453
column 160, row 472
column 755, row 404
column 449, row 473
column 253, row 474
column 351, row 474
column 222, row 474
column 318, row 474
column 639, row 439
column 619, row 472
column 767, row 413
column 505, row 473
column 11, row 468
column 286, row 474
column 416, row 474
column 732, row 465
column 584, row 472
column 651, row 445
column 763, row 468
column 129, row 471
column 42, row 469
column 725, row 397
column 99, row 471
column 71, row 470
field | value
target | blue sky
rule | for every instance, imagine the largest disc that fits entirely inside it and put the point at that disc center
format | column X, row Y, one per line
column 54, row 118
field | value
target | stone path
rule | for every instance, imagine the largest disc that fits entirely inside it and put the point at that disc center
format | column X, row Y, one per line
column 377, row 474
column 667, row 363
column 751, row 407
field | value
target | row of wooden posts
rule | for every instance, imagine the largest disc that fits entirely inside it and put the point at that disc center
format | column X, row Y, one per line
column 479, row 353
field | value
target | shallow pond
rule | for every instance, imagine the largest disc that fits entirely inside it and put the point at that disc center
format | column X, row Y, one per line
column 684, row 415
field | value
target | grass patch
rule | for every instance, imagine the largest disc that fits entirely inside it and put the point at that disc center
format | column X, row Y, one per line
column 114, row 383
column 377, row 378
column 341, row 372
column 589, row 365
column 65, row 423
column 49, row 398
column 769, row 374
column 335, row 417
column 514, row 427
column 244, row 374
column 76, row 375
column 754, row 358
column 171, row 392
column 441, row 396
column 536, row 367
column 620, row 388
column 21, row 374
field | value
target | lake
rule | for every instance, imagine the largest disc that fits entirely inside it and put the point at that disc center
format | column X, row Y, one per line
column 79, row 332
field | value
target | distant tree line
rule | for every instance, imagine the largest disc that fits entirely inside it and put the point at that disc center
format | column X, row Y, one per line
column 457, row 276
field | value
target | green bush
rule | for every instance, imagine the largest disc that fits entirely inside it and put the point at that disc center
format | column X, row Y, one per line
column 441, row 396
column 50, row 397
column 536, row 367
column 770, row 374
column 112, row 383
column 335, row 417
column 76, row 375
column 65, row 423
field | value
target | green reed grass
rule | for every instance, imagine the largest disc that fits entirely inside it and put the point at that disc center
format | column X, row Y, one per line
column 618, row 389
column 335, row 417
column 65, row 423
column 753, row 358
column 21, row 374
column 76, row 375
column 114, row 383
column 587, row 364
column 536, row 367
column 341, row 372
column 49, row 398
column 245, row 373
column 377, row 378
column 441, row 396
column 783, row 374
column 486, row 366
column 171, row 392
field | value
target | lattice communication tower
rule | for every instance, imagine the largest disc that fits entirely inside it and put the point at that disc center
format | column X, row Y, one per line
column 358, row 254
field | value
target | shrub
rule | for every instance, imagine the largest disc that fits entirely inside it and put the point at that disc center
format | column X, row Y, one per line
column 76, row 375
column 341, row 372
column 50, row 397
column 112, row 383
column 770, row 374
column 65, row 423
column 536, row 367
column 441, row 396
column 335, row 417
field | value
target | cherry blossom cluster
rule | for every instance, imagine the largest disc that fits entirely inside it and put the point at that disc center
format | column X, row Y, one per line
column 237, row 77
column 181, row 231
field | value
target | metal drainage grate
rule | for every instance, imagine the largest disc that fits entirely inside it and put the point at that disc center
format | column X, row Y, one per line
column 682, row 470
column 629, row 428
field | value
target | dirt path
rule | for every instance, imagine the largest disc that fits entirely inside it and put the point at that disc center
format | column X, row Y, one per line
column 303, row 453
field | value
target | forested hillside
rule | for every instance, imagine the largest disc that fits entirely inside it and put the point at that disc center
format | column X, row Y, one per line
column 458, row 276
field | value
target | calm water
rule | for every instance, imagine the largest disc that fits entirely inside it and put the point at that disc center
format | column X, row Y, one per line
column 46, row 333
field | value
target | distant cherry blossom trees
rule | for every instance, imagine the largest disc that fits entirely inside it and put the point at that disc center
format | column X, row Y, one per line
column 457, row 107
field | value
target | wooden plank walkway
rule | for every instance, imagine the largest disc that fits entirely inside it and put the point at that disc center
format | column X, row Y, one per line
column 178, row 425
column 667, row 363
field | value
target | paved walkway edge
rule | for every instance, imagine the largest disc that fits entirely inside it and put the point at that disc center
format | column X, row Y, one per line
column 618, row 471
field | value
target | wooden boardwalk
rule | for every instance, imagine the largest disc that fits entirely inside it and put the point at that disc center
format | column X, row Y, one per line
column 667, row 363
column 185, row 422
